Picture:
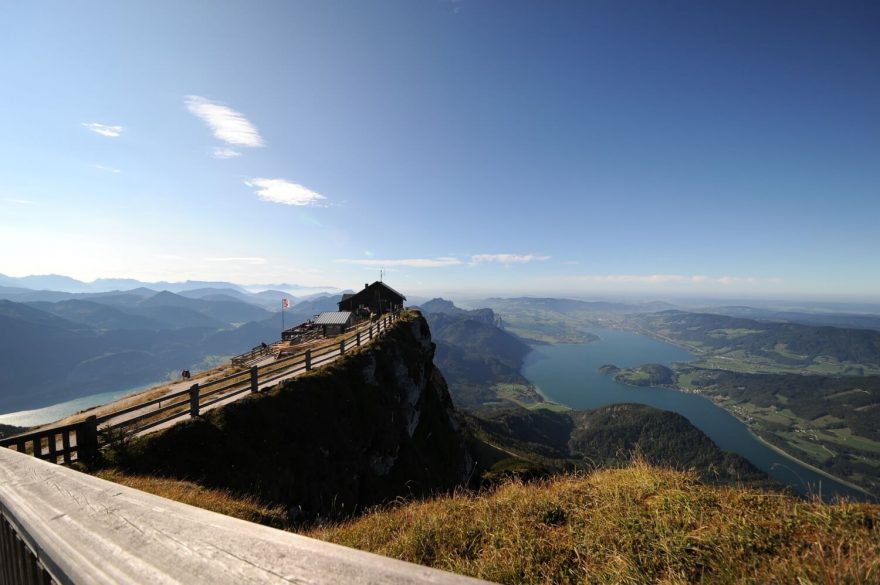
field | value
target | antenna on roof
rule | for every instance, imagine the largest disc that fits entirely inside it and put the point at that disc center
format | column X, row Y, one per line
column 381, row 274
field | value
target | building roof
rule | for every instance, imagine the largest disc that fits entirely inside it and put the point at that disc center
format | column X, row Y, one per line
column 380, row 283
column 333, row 318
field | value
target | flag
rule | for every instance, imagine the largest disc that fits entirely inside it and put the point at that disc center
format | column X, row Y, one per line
column 285, row 304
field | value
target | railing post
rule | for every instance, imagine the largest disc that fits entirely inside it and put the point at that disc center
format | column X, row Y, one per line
column 308, row 360
column 194, row 400
column 342, row 346
column 371, row 331
column 53, row 448
column 87, row 440
column 255, row 383
column 358, row 339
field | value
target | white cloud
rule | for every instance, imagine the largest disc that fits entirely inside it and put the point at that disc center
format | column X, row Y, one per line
column 446, row 261
column 239, row 260
column 675, row 278
column 441, row 262
column 223, row 152
column 21, row 201
column 104, row 129
column 285, row 192
column 108, row 169
column 508, row 258
column 227, row 125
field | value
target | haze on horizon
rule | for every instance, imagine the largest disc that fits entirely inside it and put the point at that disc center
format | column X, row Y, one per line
column 573, row 148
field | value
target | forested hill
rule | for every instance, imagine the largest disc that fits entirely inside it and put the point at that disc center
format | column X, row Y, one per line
column 480, row 361
column 53, row 352
column 820, row 349
column 544, row 441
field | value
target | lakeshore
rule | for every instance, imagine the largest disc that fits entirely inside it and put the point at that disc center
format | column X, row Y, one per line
column 568, row 374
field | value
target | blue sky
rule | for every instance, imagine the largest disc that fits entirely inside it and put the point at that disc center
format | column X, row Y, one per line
column 479, row 146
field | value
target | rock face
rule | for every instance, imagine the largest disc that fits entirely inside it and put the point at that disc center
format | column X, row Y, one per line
column 372, row 427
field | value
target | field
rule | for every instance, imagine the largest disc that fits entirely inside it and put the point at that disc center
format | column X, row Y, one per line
column 801, row 416
column 526, row 396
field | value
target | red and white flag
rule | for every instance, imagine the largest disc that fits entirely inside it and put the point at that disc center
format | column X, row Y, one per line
column 285, row 304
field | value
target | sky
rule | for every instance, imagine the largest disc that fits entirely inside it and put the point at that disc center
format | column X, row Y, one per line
column 480, row 146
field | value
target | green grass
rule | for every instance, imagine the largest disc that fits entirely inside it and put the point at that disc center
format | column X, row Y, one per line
column 845, row 437
column 635, row 525
column 547, row 405
column 526, row 396
column 731, row 333
column 804, row 443
column 737, row 361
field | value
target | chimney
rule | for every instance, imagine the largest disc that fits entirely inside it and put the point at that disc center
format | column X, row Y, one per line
column 366, row 285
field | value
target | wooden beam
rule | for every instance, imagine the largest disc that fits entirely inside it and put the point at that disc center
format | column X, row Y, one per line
column 87, row 530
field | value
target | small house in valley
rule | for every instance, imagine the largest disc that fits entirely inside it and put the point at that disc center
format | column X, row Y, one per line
column 334, row 322
column 378, row 298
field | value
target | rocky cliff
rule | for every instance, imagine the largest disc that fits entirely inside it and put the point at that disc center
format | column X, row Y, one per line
column 374, row 426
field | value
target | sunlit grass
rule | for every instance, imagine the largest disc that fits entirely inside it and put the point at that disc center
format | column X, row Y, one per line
column 635, row 525
column 220, row 501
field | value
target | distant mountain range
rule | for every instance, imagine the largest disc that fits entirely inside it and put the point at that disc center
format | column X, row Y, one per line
column 57, row 346
column 65, row 284
column 268, row 299
column 846, row 320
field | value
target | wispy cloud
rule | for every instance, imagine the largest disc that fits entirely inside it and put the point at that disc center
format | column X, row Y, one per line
column 284, row 192
column 21, row 201
column 508, row 258
column 227, row 125
column 108, row 169
column 103, row 129
column 671, row 278
column 445, row 261
column 440, row 262
column 224, row 152
column 238, row 260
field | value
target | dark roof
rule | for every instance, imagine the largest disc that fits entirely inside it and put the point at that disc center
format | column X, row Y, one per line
column 347, row 295
column 379, row 282
column 333, row 318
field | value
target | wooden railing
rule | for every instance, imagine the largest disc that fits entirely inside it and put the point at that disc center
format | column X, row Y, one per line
column 61, row 526
column 81, row 441
column 243, row 358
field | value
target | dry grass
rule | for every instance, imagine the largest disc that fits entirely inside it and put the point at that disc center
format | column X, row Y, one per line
column 635, row 525
column 221, row 501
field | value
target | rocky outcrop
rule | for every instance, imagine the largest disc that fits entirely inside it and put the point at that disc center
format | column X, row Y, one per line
column 369, row 428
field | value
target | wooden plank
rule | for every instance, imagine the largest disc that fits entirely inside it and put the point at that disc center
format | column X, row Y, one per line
column 88, row 530
column 65, row 445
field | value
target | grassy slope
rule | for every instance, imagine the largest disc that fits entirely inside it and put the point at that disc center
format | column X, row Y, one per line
column 215, row 500
column 634, row 525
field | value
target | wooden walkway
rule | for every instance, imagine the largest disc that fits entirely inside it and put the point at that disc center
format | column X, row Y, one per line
column 82, row 440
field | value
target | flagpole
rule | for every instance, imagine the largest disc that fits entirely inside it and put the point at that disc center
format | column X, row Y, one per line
column 282, row 318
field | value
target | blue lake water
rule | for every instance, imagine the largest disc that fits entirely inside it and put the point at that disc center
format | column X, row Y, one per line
column 568, row 374
column 41, row 416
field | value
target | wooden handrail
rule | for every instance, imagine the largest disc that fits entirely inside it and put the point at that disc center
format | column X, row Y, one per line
column 86, row 444
column 59, row 525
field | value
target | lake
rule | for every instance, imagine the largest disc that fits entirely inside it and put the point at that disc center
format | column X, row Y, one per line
column 41, row 416
column 568, row 374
